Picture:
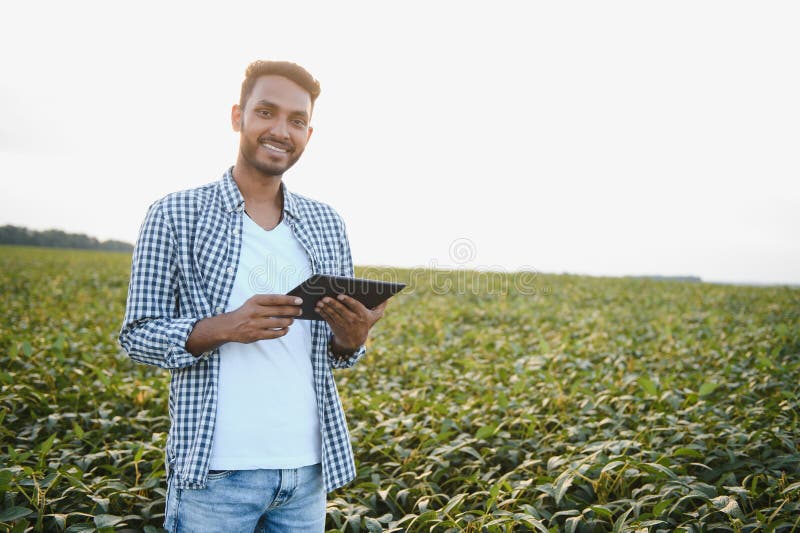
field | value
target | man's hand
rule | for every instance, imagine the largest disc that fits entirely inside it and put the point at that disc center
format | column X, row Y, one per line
column 262, row 316
column 349, row 320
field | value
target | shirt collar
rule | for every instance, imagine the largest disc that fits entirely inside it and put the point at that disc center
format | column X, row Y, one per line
column 230, row 195
column 289, row 202
column 233, row 200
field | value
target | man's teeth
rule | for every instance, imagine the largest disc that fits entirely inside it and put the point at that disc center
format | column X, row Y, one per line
column 274, row 148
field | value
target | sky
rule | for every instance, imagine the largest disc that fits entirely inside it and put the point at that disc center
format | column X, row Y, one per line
column 602, row 138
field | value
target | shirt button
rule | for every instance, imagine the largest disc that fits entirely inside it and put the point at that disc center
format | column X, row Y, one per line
column 219, row 309
column 236, row 231
column 229, row 270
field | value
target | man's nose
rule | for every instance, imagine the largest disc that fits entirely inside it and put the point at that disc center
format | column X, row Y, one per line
column 280, row 129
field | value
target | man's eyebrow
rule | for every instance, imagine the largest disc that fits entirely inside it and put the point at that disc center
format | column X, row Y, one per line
column 267, row 103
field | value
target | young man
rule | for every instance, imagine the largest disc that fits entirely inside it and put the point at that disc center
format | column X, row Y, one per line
column 257, row 431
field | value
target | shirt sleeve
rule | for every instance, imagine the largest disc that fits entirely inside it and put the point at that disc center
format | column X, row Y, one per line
column 346, row 266
column 152, row 333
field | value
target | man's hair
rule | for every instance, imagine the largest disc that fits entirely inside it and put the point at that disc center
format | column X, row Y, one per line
column 287, row 69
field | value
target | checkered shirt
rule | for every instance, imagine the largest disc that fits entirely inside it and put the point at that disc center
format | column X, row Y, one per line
column 183, row 270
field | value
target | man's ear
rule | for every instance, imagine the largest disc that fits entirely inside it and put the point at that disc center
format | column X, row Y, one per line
column 236, row 117
column 310, row 131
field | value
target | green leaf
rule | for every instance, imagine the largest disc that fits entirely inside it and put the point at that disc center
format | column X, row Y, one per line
column 571, row 524
column 60, row 520
column 373, row 525
column 657, row 468
column 58, row 344
column 648, row 386
column 650, row 523
column 563, row 482
column 79, row 528
column 5, row 480
column 687, row 452
column 621, row 521
column 535, row 523
column 454, row 502
column 427, row 516
column 107, row 520
column 791, row 488
column 602, row 511
column 48, row 480
column 502, row 400
column 661, row 506
column 14, row 513
column 707, row 388
column 728, row 505
column 612, row 465
column 485, row 431
column 45, row 447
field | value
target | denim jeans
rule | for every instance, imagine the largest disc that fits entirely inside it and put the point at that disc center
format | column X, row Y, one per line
column 250, row 501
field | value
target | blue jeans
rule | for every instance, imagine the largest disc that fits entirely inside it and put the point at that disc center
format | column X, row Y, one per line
column 250, row 501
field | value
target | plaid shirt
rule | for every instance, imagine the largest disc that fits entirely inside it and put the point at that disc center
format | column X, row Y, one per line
column 183, row 270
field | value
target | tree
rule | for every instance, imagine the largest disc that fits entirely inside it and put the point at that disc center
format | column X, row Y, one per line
column 54, row 238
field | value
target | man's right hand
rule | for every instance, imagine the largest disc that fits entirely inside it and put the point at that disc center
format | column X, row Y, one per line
column 263, row 316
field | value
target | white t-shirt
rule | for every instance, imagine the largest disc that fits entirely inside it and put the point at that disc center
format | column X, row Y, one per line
column 267, row 408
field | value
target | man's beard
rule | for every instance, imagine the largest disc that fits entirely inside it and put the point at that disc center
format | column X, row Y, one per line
column 268, row 168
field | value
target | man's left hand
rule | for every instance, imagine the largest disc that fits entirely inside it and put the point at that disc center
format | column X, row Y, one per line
column 349, row 320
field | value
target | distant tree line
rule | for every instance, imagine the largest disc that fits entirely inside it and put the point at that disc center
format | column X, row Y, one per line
column 54, row 238
column 689, row 279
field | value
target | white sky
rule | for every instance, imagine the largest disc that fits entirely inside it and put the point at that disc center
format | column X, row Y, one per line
column 588, row 137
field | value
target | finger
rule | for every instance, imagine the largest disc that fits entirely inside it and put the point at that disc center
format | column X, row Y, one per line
column 275, row 322
column 268, row 334
column 327, row 312
column 275, row 299
column 333, row 319
column 338, row 317
column 351, row 303
column 339, row 309
column 279, row 311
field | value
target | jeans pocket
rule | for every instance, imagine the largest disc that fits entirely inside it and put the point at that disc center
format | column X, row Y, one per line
column 214, row 475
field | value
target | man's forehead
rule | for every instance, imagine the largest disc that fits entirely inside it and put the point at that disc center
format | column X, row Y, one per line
column 280, row 91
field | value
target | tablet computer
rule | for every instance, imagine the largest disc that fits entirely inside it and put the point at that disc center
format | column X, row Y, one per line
column 369, row 292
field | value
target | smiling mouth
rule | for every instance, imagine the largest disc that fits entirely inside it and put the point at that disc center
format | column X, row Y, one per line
column 275, row 148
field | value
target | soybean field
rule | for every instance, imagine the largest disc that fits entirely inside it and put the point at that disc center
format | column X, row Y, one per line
column 486, row 403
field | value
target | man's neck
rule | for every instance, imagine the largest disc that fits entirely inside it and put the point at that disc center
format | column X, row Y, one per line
column 263, row 200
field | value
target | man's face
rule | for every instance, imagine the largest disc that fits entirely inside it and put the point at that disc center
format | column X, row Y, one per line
column 273, row 126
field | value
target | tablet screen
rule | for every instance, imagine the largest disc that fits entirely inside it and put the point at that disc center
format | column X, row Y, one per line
column 369, row 292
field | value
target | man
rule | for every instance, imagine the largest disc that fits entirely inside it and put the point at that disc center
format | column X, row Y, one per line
column 257, row 432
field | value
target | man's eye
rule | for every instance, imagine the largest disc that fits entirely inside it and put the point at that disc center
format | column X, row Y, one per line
column 299, row 123
column 264, row 113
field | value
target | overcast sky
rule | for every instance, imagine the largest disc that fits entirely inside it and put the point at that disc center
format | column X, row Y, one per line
column 604, row 138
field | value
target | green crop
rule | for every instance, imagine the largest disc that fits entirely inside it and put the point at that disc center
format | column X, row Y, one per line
column 577, row 404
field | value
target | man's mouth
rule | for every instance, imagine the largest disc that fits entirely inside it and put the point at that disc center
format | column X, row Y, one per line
column 275, row 147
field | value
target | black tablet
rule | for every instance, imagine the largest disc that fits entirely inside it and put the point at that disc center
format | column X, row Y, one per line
column 369, row 292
